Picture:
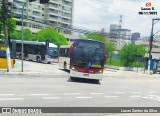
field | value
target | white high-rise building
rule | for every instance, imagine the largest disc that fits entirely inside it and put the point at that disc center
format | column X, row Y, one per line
column 56, row 13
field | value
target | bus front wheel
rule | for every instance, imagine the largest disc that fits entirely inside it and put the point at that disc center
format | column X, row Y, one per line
column 72, row 78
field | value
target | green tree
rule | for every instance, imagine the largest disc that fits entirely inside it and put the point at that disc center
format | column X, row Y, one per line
column 27, row 35
column 109, row 50
column 16, row 35
column 51, row 35
column 129, row 53
column 96, row 36
column 10, row 22
column 108, row 46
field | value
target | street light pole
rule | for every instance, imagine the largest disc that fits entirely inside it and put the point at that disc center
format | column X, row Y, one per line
column 22, row 54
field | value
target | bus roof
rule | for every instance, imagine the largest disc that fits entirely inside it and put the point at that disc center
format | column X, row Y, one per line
column 65, row 46
column 35, row 42
column 52, row 45
column 88, row 40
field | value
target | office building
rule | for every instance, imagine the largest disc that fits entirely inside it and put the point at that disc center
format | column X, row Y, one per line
column 135, row 36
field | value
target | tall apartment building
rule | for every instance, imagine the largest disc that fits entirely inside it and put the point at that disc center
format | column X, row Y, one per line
column 115, row 32
column 57, row 13
column 135, row 36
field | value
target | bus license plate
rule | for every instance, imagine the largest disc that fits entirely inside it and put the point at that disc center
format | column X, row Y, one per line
column 86, row 74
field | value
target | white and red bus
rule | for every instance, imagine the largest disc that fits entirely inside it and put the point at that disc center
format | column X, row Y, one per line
column 84, row 59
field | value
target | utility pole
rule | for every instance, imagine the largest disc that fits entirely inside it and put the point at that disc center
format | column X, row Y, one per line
column 22, row 54
column 5, row 6
column 151, row 41
column 119, row 32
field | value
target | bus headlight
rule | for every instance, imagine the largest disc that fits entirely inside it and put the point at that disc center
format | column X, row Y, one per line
column 72, row 68
column 100, row 71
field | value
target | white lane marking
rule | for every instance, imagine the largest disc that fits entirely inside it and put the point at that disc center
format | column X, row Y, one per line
column 71, row 93
column 6, row 94
column 153, row 95
column 137, row 92
column 51, row 98
column 145, row 97
column 1, row 99
column 111, row 96
column 83, row 97
column 135, row 96
column 151, row 98
column 40, row 94
column 152, row 91
column 97, row 93
column 119, row 92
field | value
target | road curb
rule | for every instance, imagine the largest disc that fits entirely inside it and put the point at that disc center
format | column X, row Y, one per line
column 30, row 73
column 123, row 68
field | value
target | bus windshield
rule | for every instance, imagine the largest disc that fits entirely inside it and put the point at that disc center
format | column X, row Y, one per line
column 88, row 57
column 53, row 52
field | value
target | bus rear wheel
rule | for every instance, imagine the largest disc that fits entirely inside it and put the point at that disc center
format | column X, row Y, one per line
column 38, row 59
column 65, row 66
column 20, row 56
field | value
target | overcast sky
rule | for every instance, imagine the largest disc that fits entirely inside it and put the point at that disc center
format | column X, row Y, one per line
column 98, row 14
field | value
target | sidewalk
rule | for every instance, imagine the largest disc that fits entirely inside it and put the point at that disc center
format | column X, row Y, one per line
column 129, row 70
column 34, row 68
column 31, row 67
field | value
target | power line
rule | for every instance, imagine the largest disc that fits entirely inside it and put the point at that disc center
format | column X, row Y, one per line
column 129, row 21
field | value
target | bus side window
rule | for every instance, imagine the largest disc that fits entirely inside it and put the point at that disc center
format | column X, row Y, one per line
column 65, row 52
column 61, row 53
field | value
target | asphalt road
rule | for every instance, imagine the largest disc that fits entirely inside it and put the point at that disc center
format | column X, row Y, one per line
column 117, row 89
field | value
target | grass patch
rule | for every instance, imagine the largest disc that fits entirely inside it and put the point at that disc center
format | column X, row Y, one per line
column 138, row 64
column 114, row 62
column 117, row 62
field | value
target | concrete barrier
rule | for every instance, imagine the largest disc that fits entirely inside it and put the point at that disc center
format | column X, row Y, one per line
column 3, row 63
column 124, row 68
